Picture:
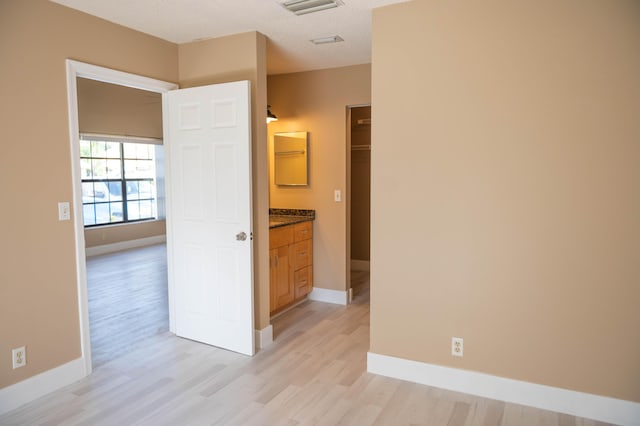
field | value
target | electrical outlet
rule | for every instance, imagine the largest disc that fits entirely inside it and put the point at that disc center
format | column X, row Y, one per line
column 19, row 357
column 457, row 346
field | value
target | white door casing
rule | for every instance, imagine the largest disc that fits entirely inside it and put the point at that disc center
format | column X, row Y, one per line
column 209, row 214
column 77, row 69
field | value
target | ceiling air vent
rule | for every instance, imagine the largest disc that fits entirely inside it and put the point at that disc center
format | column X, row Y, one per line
column 327, row 40
column 302, row 7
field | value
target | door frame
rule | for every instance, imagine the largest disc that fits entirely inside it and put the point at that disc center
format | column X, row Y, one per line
column 93, row 72
column 348, row 197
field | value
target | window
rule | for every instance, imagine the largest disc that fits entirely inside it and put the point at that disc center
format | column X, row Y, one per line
column 118, row 181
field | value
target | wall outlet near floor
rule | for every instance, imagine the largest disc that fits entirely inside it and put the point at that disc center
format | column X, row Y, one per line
column 457, row 346
column 19, row 357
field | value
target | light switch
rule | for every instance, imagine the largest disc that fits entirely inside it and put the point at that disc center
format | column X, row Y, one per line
column 337, row 196
column 64, row 211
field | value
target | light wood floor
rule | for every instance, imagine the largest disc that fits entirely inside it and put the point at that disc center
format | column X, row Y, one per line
column 128, row 300
column 314, row 373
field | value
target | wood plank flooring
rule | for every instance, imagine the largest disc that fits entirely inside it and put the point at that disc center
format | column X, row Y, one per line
column 128, row 300
column 314, row 373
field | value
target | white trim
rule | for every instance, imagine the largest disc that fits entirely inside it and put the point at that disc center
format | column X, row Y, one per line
column 360, row 265
column 329, row 296
column 264, row 337
column 81, row 268
column 77, row 69
column 125, row 245
column 575, row 403
column 121, row 78
column 34, row 387
column 168, row 223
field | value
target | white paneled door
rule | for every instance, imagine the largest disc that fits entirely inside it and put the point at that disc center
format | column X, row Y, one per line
column 209, row 214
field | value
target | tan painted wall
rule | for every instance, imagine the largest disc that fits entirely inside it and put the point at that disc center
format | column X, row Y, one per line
column 244, row 59
column 131, row 231
column 360, row 170
column 38, row 289
column 111, row 109
column 505, row 204
column 316, row 101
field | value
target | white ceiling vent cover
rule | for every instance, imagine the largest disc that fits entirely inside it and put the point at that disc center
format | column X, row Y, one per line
column 302, row 7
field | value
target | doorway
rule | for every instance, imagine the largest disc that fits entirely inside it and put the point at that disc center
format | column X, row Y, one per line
column 77, row 70
column 122, row 168
column 223, row 109
column 359, row 175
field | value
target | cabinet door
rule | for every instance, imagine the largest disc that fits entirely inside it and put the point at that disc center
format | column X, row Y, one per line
column 283, row 279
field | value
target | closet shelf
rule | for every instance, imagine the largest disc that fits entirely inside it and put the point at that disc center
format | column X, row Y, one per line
column 360, row 147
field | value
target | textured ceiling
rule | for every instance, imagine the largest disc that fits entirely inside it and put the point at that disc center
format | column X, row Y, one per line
column 289, row 48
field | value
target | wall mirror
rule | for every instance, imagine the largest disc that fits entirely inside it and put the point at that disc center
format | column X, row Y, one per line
column 290, row 158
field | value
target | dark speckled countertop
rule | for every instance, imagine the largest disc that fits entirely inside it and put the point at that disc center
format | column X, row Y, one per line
column 284, row 217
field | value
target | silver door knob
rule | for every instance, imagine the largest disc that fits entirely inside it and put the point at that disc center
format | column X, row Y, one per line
column 241, row 236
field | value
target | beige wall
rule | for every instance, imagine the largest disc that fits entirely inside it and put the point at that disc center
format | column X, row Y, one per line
column 130, row 231
column 360, row 214
column 38, row 289
column 316, row 102
column 111, row 109
column 507, row 152
column 244, row 59
column 38, row 295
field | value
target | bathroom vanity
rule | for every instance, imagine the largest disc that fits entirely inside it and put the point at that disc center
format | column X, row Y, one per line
column 290, row 257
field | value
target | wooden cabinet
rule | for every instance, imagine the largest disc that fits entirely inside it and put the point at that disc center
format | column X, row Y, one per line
column 290, row 264
column 302, row 259
column 280, row 275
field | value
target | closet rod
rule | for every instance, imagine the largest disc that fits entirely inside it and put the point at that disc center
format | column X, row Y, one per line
column 288, row 152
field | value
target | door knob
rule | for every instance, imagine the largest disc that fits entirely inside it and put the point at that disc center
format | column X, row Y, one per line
column 241, row 236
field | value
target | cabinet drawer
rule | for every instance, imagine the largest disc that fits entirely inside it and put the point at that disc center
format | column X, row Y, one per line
column 302, row 254
column 279, row 237
column 303, row 231
column 303, row 281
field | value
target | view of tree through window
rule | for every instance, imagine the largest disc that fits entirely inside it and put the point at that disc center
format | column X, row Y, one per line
column 118, row 181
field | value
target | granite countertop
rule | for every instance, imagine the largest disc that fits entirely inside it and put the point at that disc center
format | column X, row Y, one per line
column 284, row 217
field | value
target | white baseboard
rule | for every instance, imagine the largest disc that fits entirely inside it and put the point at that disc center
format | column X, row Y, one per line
column 360, row 265
column 125, row 245
column 264, row 337
column 329, row 296
column 579, row 404
column 28, row 390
